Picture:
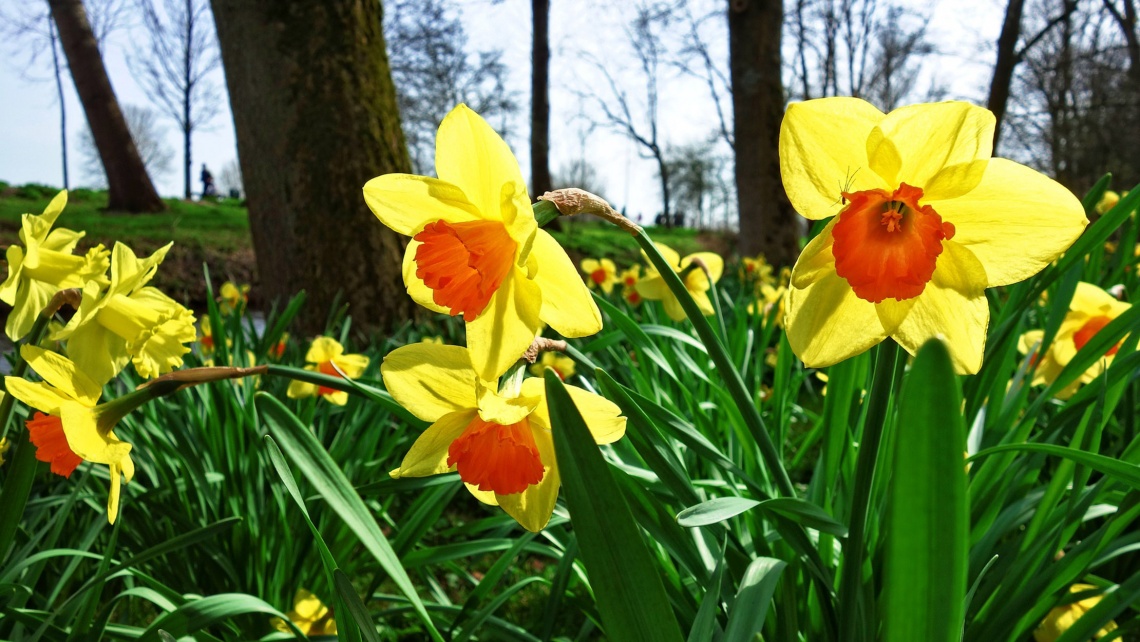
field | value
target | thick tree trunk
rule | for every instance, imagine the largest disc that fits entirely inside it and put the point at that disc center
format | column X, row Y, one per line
column 1006, row 61
column 767, row 222
column 315, row 113
column 540, row 99
column 129, row 187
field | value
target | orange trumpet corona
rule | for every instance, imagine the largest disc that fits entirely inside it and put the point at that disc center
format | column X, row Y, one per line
column 887, row 245
column 46, row 432
column 498, row 458
column 1089, row 329
column 464, row 263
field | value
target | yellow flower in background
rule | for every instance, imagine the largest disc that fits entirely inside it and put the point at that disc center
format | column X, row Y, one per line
column 755, row 270
column 206, row 338
column 770, row 297
column 653, row 287
column 233, row 298
column 562, row 365
column 72, row 426
column 1060, row 618
column 309, row 614
column 500, row 443
column 434, row 340
column 629, row 279
column 325, row 356
column 45, row 265
column 600, row 273
column 1090, row 310
column 476, row 248
column 128, row 322
column 923, row 220
column 4, row 446
column 1107, row 201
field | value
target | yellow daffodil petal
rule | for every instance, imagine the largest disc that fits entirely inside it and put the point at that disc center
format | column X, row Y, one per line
column 63, row 374
column 128, row 272
column 336, row 397
column 301, row 390
column 485, row 496
column 85, row 439
column 417, row 289
column 816, row 261
column 704, row 304
column 324, row 349
column 472, row 156
column 508, row 325
column 602, row 416
column 931, row 137
column 669, row 254
column 430, row 380
column 653, row 288
column 502, row 410
column 406, row 203
column 428, row 455
column 589, row 266
column 97, row 351
column 953, row 306
column 827, row 323
column 113, row 496
column 823, row 151
column 567, row 305
column 1016, row 221
column 29, row 301
column 352, row 365
column 713, row 261
column 1030, row 341
column 1092, row 300
column 38, row 395
column 533, row 507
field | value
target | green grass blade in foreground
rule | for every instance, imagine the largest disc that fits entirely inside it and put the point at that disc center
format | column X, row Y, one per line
column 752, row 599
column 927, row 525
column 306, row 453
column 728, row 371
column 1120, row 470
column 199, row 614
column 797, row 510
column 627, row 586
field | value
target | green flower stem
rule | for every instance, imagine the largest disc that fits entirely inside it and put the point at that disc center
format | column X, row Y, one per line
column 18, row 484
column 887, row 366
column 545, row 212
column 723, row 363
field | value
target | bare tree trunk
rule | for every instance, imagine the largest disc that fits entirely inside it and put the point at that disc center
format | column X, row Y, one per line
column 316, row 117
column 1007, row 59
column 188, row 82
column 62, row 100
column 540, row 99
column 128, row 185
column 767, row 222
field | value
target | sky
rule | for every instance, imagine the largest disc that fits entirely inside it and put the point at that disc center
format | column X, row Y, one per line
column 963, row 32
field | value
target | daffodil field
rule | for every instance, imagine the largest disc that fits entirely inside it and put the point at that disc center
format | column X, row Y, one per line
column 925, row 430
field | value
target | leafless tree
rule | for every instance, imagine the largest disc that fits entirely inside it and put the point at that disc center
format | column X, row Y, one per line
column 174, row 62
column 434, row 70
column 30, row 33
column 149, row 137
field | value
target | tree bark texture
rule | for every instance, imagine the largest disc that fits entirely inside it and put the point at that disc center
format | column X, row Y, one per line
column 1007, row 59
column 315, row 114
column 767, row 222
column 540, row 99
column 129, row 188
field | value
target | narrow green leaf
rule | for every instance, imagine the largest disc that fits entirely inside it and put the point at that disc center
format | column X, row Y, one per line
column 752, row 599
column 198, row 614
column 1120, row 470
column 306, row 453
column 715, row 510
column 355, row 606
column 704, row 625
column 627, row 586
column 927, row 529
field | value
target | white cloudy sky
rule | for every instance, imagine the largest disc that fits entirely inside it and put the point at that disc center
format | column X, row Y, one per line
column 963, row 32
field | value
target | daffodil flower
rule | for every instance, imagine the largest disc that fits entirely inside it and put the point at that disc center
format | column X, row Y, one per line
column 476, row 248
column 755, row 269
column 326, row 355
column 45, row 265
column 72, row 426
column 653, row 287
column 309, row 614
column 128, row 322
column 1060, row 618
column 600, row 273
column 499, row 441
column 4, row 446
column 1090, row 310
column 770, row 297
column 629, row 279
column 923, row 220
column 562, row 365
column 1107, row 201
column 233, row 298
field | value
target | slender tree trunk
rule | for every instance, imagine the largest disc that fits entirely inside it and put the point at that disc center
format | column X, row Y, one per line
column 62, row 100
column 540, row 99
column 187, row 82
column 767, row 222
column 666, row 198
column 128, row 185
column 315, row 113
column 1006, row 61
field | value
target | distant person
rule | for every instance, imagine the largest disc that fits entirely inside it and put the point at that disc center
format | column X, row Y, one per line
column 208, row 188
